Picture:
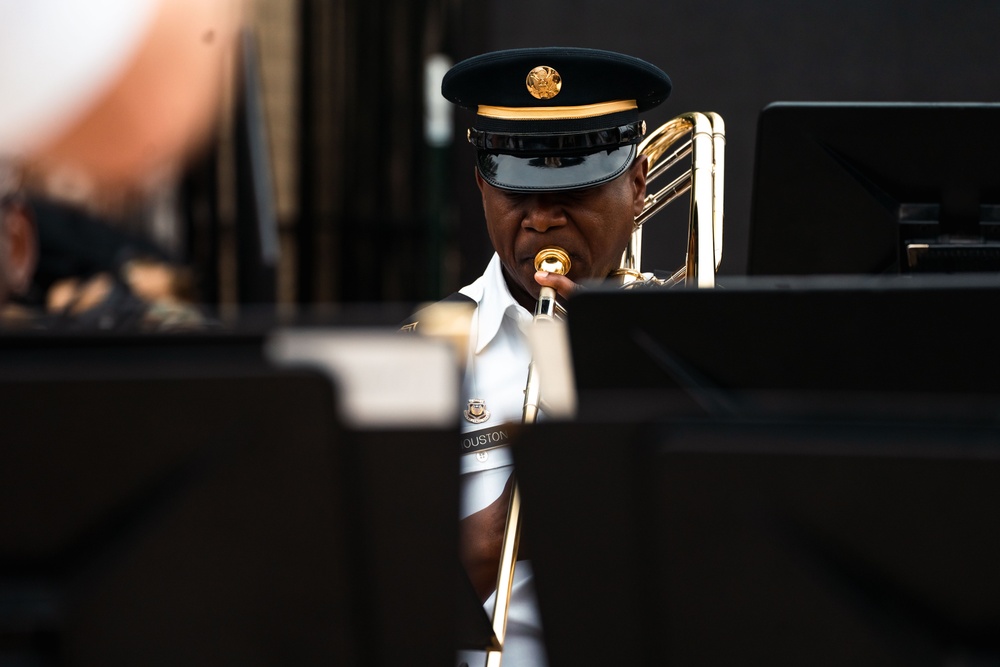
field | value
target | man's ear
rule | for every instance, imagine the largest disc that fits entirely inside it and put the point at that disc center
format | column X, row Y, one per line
column 639, row 170
column 21, row 247
column 479, row 179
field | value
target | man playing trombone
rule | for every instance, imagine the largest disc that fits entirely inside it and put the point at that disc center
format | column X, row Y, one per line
column 555, row 134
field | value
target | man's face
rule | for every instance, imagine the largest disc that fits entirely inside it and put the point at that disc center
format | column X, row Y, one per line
column 592, row 225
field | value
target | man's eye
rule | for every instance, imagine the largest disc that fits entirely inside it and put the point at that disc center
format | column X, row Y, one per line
column 584, row 193
column 514, row 197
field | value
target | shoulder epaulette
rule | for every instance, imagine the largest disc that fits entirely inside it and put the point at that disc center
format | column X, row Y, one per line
column 410, row 325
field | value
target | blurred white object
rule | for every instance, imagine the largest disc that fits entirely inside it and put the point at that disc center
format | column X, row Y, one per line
column 550, row 350
column 383, row 378
column 438, row 111
column 57, row 57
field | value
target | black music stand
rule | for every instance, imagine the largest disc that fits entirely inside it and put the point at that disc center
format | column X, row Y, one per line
column 193, row 506
column 802, row 344
column 783, row 543
column 780, row 471
column 872, row 188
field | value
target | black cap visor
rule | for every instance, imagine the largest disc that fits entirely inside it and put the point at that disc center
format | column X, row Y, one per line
column 554, row 172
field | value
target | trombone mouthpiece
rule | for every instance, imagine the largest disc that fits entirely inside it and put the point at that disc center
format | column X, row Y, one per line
column 552, row 259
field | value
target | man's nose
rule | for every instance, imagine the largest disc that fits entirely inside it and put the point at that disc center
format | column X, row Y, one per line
column 543, row 212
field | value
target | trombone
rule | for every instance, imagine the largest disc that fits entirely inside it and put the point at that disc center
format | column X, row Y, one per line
column 702, row 137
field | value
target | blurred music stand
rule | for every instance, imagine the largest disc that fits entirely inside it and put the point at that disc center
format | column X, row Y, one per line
column 162, row 513
column 797, row 344
column 782, row 471
column 783, row 543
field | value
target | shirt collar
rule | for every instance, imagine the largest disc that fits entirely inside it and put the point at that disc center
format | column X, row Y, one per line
column 494, row 302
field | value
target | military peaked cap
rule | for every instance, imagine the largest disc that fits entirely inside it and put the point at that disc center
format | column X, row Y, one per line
column 555, row 118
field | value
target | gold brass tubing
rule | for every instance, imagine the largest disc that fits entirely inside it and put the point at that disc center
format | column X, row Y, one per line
column 554, row 260
column 505, row 577
column 665, row 136
column 718, row 180
column 632, row 256
column 663, row 164
column 655, row 202
column 628, row 271
column 703, row 203
column 532, row 395
column 664, row 149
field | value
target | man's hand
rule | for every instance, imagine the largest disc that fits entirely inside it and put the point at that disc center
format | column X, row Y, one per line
column 561, row 284
column 481, row 540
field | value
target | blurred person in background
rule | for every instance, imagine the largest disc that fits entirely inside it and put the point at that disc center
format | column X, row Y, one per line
column 61, row 268
column 111, row 95
column 103, row 101
column 18, row 245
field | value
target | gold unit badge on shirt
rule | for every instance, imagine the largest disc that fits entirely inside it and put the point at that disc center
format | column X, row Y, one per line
column 477, row 412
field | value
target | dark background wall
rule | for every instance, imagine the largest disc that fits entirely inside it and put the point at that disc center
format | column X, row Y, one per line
column 376, row 214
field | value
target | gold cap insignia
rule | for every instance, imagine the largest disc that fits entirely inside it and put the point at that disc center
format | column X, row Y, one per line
column 543, row 82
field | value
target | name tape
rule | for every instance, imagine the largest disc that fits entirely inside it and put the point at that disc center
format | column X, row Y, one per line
column 486, row 438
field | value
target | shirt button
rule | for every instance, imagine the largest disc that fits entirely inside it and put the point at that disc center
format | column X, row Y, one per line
column 482, row 456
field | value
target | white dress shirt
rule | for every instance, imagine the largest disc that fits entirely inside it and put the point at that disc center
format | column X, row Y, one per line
column 496, row 372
